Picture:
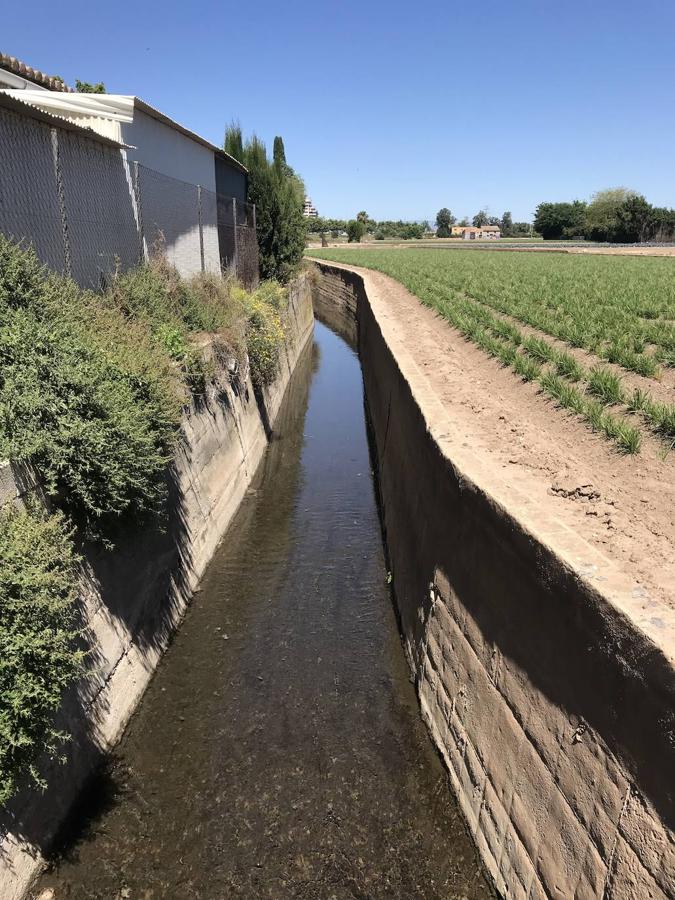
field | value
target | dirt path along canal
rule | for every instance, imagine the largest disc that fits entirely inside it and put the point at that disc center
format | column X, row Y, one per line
column 279, row 750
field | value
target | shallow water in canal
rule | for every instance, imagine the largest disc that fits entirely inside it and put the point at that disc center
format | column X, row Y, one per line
column 279, row 750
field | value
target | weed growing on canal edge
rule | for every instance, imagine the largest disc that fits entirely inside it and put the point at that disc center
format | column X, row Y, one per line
column 264, row 329
column 92, row 388
column 38, row 656
column 593, row 303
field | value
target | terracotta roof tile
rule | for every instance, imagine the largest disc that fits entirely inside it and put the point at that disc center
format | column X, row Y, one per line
column 11, row 64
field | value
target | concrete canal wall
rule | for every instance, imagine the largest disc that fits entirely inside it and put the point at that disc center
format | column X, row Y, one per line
column 135, row 596
column 550, row 705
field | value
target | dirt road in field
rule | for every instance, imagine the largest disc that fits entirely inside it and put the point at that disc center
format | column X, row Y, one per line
column 504, row 245
column 625, row 251
column 625, row 505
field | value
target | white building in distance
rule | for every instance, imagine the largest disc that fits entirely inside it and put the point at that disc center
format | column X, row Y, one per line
column 309, row 210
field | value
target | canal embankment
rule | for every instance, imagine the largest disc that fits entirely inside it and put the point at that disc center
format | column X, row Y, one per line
column 543, row 668
column 134, row 596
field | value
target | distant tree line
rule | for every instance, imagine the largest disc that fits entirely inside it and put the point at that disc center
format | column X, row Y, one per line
column 617, row 215
column 363, row 224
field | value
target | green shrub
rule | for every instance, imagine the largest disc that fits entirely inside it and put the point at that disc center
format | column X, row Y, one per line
column 264, row 329
column 355, row 231
column 92, row 387
column 89, row 399
column 38, row 658
column 91, row 393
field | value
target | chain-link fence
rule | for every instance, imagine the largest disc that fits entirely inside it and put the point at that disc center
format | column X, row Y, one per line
column 87, row 211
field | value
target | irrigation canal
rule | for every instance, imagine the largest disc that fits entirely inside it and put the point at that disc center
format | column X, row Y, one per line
column 279, row 750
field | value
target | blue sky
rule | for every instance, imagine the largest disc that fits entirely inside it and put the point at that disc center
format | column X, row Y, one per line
column 396, row 108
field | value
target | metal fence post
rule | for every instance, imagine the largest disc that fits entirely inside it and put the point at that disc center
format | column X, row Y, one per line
column 254, row 255
column 236, row 241
column 201, row 226
column 58, row 176
column 139, row 214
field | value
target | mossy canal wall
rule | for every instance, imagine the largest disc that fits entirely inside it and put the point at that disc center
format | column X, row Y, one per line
column 135, row 596
column 550, row 705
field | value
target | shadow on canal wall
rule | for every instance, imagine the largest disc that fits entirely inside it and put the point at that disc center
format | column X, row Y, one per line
column 550, row 707
column 134, row 597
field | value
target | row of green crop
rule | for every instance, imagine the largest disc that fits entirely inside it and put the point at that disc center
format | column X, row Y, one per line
column 599, row 381
column 508, row 345
column 621, row 309
column 586, row 392
column 92, row 389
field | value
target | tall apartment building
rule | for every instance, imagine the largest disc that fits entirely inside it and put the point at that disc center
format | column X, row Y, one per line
column 309, row 209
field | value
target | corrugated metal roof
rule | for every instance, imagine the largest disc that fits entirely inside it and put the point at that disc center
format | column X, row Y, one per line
column 104, row 106
column 12, row 64
column 10, row 100
column 113, row 107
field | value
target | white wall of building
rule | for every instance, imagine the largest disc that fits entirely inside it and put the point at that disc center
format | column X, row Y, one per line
column 160, row 147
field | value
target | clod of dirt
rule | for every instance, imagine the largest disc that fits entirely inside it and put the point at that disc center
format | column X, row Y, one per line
column 574, row 488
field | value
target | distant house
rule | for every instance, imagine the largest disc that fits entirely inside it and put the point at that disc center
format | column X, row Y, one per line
column 472, row 233
column 309, row 210
column 490, row 231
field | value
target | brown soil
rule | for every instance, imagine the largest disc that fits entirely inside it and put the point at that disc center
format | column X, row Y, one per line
column 660, row 387
column 626, row 251
column 624, row 505
column 457, row 244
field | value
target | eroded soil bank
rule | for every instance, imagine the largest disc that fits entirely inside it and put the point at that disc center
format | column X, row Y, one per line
column 279, row 751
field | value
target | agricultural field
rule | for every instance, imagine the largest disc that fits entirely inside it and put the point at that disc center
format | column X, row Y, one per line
column 534, row 312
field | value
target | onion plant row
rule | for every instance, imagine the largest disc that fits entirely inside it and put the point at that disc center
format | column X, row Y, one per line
column 620, row 308
column 561, row 375
column 590, row 393
column 536, row 360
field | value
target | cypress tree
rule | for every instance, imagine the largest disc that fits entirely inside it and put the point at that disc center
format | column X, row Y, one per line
column 278, row 194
